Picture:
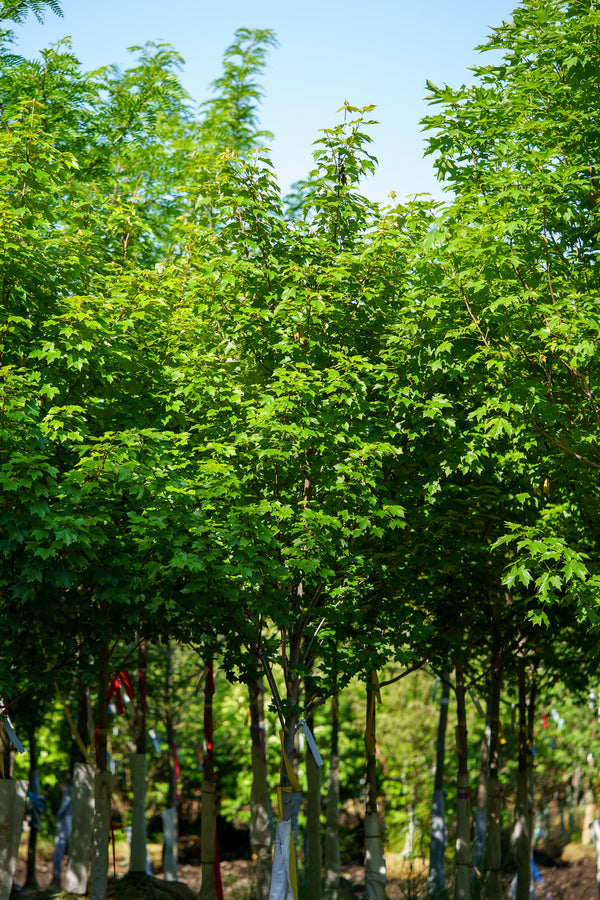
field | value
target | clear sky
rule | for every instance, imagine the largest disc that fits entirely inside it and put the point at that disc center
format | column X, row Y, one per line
column 363, row 51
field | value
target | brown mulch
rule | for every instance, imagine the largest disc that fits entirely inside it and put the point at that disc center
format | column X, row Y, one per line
column 568, row 880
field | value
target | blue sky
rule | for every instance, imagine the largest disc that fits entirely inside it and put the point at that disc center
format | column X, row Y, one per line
column 379, row 52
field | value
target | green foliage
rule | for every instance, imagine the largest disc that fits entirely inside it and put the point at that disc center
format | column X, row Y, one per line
column 520, row 245
column 307, row 433
column 229, row 119
column 18, row 11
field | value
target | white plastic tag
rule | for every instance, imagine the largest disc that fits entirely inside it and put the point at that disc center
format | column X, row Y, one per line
column 475, row 700
column 11, row 733
column 154, row 739
column 311, row 742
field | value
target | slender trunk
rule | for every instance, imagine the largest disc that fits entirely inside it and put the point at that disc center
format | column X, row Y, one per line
column 291, row 798
column 77, row 829
column 169, row 815
column 576, row 790
column 332, row 845
column 77, row 872
column 137, row 860
column 171, row 800
column 140, row 706
column 375, row 870
column 521, row 830
column 5, row 755
column 13, row 795
column 313, row 821
column 284, row 878
column 64, row 818
column 478, row 860
column 260, row 824
column 436, row 882
column 83, row 720
column 102, row 720
column 291, row 804
column 210, row 889
column 35, row 819
column 104, row 784
column 411, row 829
column 531, row 709
column 463, row 794
column 493, row 883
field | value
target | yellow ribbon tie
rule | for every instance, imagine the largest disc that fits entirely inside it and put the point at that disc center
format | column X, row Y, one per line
column 501, row 733
column 291, row 775
column 279, row 810
column 293, row 875
column 69, row 719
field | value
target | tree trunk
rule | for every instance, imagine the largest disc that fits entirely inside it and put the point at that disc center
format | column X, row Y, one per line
column 493, row 883
column 313, row 821
column 35, row 820
column 137, row 859
column 77, row 872
column 79, row 830
column 64, row 819
column 169, row 815
column 436, row 882
column 375, row 871
column 521, row 837
column 332, row 845
column 531, row 710
column 260, row 824
column 284, row 870
column 411, row 830
column 211, row 883
column 463, row 794
column 13, row 795
column 478, row 860
column 84, row 720
column 5, row 754
column 104, row 784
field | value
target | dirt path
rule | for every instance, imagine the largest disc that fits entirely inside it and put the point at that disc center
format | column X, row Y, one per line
column 568, row 881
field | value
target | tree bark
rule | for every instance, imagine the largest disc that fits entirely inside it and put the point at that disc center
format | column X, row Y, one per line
column 137, row 859
column 375, row 869
column 13, row 795
column 34, row 788
column 5, row 755
column 169, row 815
column 83, row 721
column 521, row 837
column 436, row 882
column 104, row 784
column 80, row 840
column 531, row 710
column 493, row 883
column 77, row 872
column 463, row 795
column 210, row 887
column 478, row 860
column 260, row 825
column 285, row 863
column 313, row 821
column 289, row 802
column 332, row 845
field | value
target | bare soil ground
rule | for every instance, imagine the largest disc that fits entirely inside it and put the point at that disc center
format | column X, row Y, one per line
column 572, row 877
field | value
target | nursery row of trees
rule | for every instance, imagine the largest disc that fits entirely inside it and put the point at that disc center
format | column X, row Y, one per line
column 310, row 435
